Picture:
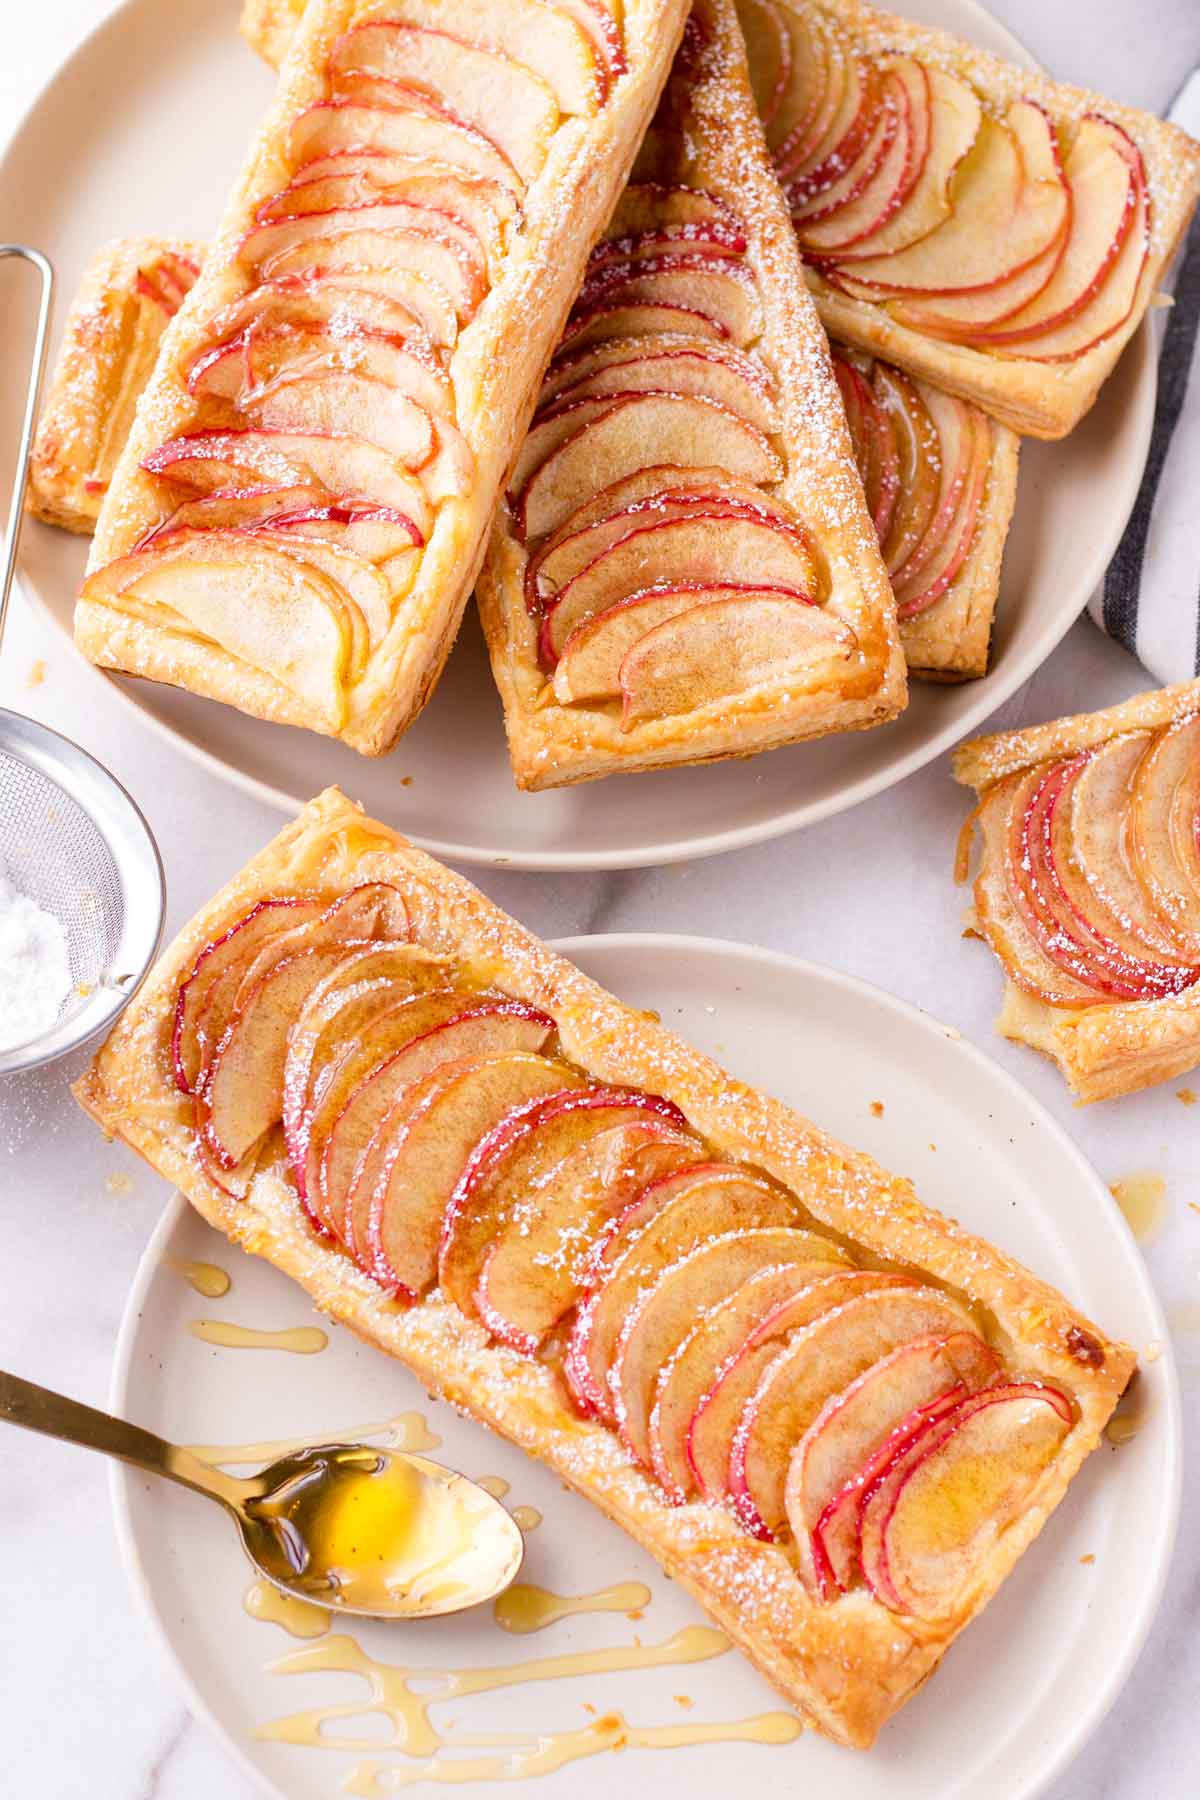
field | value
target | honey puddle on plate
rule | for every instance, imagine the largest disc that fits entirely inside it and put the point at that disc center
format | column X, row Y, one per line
column 393, row 1689
column 523, row 1608
column 407, row 1431
column 301, row 1340
column 526, row 1518
column 1142, row 1198
column 263, row 1600
column 207, row 1278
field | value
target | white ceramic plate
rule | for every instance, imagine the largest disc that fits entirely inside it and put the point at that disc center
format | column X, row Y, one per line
column 1015, row 1698
column 126, row 139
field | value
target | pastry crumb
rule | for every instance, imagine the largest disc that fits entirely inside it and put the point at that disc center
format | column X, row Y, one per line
column 406, row 781
column 876, row 1109
column 37, row 674
column 119, row 1182
column 1089, row 1558
column 1187, row 1096
column 636, row 1614
column 684, row 1700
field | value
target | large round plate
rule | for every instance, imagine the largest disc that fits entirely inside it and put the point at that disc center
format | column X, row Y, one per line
column 125, row 139
column 1019, row 1693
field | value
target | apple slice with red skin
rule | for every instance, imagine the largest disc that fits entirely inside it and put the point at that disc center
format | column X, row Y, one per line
column 338, row 127
column 952, row 315
column 852, row 1425
column 539, row 37
column 480, row 204
column 485, row 1026
column 369, row 912
column 693, row 1366
column 725, row 647
column 769, row 55
column 1101, row 854
column 533, row 1274
column 504, row 99
column 928, row 575
column 571, row 366
column 266, row 245
column 918, row 450
column 882, row 194
column 377, row 534
column 262, row 355
column 647, row 206
column 819, row 1360
column 701, row 550
column 429, row 303
column 949, row 131
column 837, row 183
column 385, row 531
column 241, row 1096
column 721, row 1402
column 873, row 435
column 432, row 255
column 345, row 404
column 795, row 120
column 664, row 1313
column 602, row 324
column 205, row 461
column 718, row 287
column 936, row 1512
column 846, row 104
column 712, row 238
column 508, row 1168
column 590, row 665
column 231, row 950
column 337, row 310
column 682, row 428
column 432, row 1137
column 738, row 381
column 1161, row 832
column 952, row 421
column 670, row 1217
column 1000, row 223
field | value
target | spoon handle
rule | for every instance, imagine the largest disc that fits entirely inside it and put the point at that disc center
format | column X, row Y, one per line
column 40, row 1409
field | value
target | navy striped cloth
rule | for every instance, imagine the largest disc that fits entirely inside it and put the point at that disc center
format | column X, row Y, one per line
column 1150, row 597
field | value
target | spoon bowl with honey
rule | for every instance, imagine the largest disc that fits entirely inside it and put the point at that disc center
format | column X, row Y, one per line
column 381, row 1534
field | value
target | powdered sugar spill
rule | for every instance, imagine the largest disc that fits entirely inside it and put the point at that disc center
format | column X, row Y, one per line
column 35, row 973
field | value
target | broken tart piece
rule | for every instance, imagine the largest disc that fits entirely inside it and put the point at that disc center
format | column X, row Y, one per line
column 683, row 568
column 1088, row 887
column 835, row 1417
column 986, row 228
column 298, row 514
column 129, row 293
column 940, row 479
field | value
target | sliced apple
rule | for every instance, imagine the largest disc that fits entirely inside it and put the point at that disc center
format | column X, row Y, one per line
column 957, row 315
column 602, row 323
column 534, row 1272
column 337, row 310
column 506, row 100
column 930, row 1522
column 954, row 118
column 267, row 247
column 500, row 1184
column 647, row 490
column 819, row 1360
column 441, row 1121
column 206, row 461
column 371, row 912
column 726, row 647
column 872, row 432
column 852, row 1426
column 794, row 124
column 271, row 355
column 716, row 238
column 682, row 428
column 479, row 203
column 769, row 54
column 648, row 206
column 666, row 1310
column 337, row 127
column 738, row 381
column 966, row 440
column 843, row 176
column 920, row 462
column 233, row 949
column 761, row 553
column 1099, row 853
column 672, row 1216
column 712, row 1341
column 537, row 36
column 844, row 94
column 878, row 193
column 1161, row 832
column 353, row 243
column 717, row 287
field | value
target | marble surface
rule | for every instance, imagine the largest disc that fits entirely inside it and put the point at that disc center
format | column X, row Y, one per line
column 87, row 1702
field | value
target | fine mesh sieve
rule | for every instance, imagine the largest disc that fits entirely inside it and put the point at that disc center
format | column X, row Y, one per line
column 71, row 839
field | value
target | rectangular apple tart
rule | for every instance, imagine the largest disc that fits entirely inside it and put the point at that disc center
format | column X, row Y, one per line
column 984, row 227
column 130, row 291
column 300, row 509
column 683, row 568
column 1088, row 887
column 834, row 1416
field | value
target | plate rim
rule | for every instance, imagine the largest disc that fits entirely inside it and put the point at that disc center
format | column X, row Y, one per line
column 992, row 690
column 1107, row 1692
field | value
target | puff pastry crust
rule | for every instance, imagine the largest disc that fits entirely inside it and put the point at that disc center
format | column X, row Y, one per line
column 846, row 1665
column 1038, row 398
column 130, row 291
column 1119, row 862
column 377, row 676
column 706, row 142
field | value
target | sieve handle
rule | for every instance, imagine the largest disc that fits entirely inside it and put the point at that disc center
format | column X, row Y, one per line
column 16, row 505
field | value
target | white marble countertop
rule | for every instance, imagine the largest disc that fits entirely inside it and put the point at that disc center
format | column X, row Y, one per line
column 88, row 1705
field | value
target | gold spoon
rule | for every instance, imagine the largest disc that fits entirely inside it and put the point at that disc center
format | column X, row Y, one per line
column 378, row 1533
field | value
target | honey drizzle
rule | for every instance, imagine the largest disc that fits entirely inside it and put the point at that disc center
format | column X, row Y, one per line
column 553, row 1750
column 527, row 1518
column 300, row 1618
column 392, row 1698
column 523, row 1608
column 300, row 1340
column 407, row 1431
column 205, row 1277
column 1142, row 1199
column 495, row 1485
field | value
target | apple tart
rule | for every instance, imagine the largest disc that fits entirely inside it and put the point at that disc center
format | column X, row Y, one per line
column 834, row 1416
column 301, row 506
column 1088, row 887
column 129, row 292
column 683, row 568
column 940, row 479
column 986, row 228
